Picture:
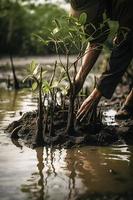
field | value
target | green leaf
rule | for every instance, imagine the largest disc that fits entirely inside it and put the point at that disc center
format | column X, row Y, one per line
column 83, row 18
column 34, row 86
column 36, row 70
column 57, row 23
column 55, row 30
column 46, row 90
column 32, row 66
column 46, row 87
column 45, row 42
column 28, row 77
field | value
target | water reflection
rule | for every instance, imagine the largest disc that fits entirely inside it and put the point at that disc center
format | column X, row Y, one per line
column 49, row 173
column 69, row 174
column 7, row 103
column 14, row 103
column 46, row 182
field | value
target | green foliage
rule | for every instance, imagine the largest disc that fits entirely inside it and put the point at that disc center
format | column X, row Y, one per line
column 47, row 85
column 82, row 18
column 32, row 67
column 19, row 20
column 67, row 34
column 34, row 86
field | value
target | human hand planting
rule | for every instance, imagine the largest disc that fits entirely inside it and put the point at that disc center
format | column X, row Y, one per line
column 87, row 105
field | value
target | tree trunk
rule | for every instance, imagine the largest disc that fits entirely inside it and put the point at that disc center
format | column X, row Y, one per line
column 15, row 81
column 9, row 43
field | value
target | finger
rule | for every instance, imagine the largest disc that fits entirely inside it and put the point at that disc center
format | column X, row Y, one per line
column 87, row 110
column 79, row 116
column 81, row 113
column 84, row 115
column 84, row 104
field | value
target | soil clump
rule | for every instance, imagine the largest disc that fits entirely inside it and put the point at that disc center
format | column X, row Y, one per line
column 86, row 133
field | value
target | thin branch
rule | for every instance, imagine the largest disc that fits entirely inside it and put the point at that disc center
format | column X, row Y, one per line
column 96, row 48
column 67, row 69
column 53, row 75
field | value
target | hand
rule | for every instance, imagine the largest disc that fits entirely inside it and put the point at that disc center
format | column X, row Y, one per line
column 94, row 98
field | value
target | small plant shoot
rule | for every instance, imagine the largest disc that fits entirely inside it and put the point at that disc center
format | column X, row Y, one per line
column 66, row 36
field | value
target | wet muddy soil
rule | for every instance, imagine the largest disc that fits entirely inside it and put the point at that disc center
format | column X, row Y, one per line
column 99, row 133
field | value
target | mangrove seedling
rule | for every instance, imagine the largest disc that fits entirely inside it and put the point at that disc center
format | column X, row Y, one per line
column 66, row 37
column 47, row 91
column 36, row 73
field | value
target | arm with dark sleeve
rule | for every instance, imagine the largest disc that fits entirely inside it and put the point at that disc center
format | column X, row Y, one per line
column 120, row 59
column 98, row 34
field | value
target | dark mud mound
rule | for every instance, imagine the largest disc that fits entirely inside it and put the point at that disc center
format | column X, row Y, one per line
column 26, row 129
column 85, row 133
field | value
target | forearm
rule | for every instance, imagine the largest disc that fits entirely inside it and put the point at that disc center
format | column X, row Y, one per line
column 89, row 59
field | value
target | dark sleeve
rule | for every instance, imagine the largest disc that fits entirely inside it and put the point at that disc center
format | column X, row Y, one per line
column 120, row 59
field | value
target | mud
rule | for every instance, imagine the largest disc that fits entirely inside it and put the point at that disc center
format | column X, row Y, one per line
column 86, row 133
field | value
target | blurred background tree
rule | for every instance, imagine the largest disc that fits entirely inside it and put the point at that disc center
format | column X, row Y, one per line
column 19, row 19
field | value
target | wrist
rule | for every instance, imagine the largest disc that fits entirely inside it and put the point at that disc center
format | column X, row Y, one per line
column 96, row 93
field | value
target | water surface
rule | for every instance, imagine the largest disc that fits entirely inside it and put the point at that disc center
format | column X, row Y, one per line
column 80, row 173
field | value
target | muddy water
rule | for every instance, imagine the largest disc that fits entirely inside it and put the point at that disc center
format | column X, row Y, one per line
column 82, row 173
